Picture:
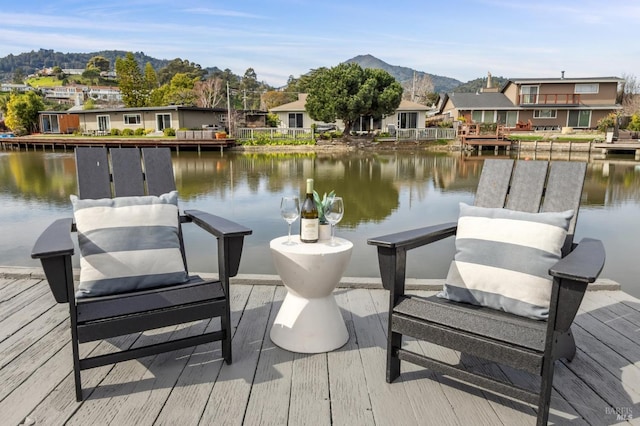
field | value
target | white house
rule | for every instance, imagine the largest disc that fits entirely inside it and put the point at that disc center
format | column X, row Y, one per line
column 408, row 115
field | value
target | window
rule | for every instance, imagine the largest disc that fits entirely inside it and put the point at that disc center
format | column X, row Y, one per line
column 545, row 113
column 295, row 120
column 580, row 118
column 483, row 116
column 163, row 121
column 50, row 123
column 132, row 119
column 529, row 94
column 408, row 120
column 104, row 124
column 587, row 88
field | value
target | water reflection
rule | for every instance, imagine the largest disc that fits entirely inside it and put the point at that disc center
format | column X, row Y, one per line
column 383, row 192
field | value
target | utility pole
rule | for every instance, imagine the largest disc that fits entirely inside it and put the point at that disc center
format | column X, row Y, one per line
column 228, row 109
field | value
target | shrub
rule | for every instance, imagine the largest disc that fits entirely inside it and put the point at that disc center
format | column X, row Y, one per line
column 608, row 122
column 115, row 132
column 169, row 131
column 127, row 132
column 139, row 132
column 634, row 124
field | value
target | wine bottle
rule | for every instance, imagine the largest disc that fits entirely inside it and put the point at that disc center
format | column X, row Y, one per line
column 309, row 217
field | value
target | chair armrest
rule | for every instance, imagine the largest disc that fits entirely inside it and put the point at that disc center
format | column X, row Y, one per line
column 55, row 240
column 415, row 237
column 583, row 264
column 216, row 225
column 54, row 248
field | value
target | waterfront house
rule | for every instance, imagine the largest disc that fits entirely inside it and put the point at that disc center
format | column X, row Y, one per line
column 102, row 121
column 547, row 103
column 408, row 115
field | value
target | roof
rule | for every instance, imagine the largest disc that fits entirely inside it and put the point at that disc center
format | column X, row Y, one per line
column 140, row 109
column 567, row 80
column 299, row 105
column 472, row 101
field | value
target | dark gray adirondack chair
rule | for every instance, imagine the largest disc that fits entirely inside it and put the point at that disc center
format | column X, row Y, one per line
column 102, row 317
column 522, row 343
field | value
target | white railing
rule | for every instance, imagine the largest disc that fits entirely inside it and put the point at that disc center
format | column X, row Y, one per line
column 428, row 133
column 273, row 133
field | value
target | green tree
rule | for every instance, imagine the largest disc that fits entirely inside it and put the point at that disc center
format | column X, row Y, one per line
column 99, row 62
column 250, row 88
column 92, row 74
column 347, row 92
column 178, row 65
column 132, row 85
column 22, row 112
column 181, row 91
column 150, row 77
column 18, row 76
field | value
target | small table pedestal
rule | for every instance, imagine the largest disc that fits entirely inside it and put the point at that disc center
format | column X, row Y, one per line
column 309, row 320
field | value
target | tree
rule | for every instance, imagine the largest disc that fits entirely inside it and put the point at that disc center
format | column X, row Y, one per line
column 181, row 91
column 420, row 89
column 348, row 92
column 132, row 85
column 22, row 112
column 18, row 76
column 178, row 65
column 249, row 87
column 99, row 62
column 150, row 77
column 92, row 74
column 210, row 93
column 629, row 95
column 274, row 98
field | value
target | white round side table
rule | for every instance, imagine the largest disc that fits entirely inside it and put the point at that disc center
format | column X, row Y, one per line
column 309, row 320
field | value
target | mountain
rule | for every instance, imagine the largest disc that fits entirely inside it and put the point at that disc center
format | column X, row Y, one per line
column 441, row 84
column 476, row 85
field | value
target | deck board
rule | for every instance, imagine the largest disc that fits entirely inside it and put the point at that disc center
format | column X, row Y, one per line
column 270, row 386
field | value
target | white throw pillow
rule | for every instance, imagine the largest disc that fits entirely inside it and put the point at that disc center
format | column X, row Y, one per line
column 503, row 258
column 128, row 244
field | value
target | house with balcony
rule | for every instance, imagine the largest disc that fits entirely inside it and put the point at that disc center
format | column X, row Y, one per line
column 408, row 115
column 542, row 103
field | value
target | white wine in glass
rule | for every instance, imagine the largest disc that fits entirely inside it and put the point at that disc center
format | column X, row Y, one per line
column 290, row 210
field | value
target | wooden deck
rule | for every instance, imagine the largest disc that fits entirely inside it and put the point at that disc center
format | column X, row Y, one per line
column 42, row 143
column 620, row 146
column 268, row 385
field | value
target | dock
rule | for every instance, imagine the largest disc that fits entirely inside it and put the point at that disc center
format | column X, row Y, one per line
column 268, row 385
column 35, row 143
column 619, row 147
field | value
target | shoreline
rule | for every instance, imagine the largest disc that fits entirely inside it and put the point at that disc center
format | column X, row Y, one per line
column 27, row 272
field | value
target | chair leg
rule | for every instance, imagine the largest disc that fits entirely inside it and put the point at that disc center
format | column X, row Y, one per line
column 546, row 387
column 76, row 369
column 225, row 321
column 393, row 362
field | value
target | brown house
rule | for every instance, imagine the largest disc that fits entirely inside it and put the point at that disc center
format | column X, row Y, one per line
column 546, row 103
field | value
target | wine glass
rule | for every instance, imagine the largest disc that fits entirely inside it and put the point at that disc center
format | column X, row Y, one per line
column 333, row 213
column 290, row 210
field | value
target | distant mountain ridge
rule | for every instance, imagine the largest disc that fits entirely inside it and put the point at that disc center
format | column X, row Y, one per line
column 441, row 84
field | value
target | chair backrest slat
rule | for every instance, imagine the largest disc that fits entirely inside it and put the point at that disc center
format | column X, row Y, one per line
column 494, row 183
column 128, row 179
column 92, row 167
column 564, row 192
column 158, row 169
column 527, row 186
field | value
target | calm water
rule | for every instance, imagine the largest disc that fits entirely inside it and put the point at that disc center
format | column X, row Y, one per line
column 383, row 193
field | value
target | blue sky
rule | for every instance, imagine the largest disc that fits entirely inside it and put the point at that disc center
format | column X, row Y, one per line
column 459, row 39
